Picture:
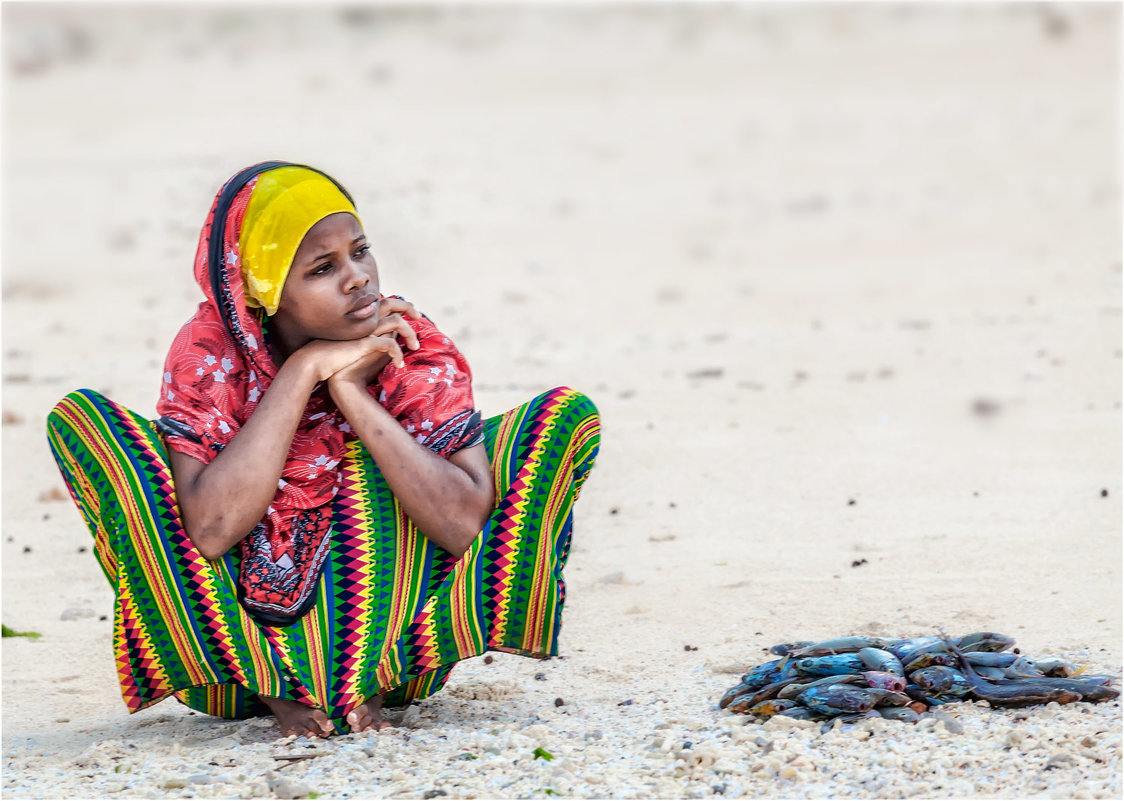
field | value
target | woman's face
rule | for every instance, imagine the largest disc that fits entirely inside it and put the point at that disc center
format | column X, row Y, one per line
column 332, row 289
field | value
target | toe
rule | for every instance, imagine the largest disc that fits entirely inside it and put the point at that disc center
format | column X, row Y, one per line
column 358, row 719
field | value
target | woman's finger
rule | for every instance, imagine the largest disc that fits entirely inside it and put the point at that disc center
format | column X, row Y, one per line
column 395, row 324
column 389, row 346
column 399, row 306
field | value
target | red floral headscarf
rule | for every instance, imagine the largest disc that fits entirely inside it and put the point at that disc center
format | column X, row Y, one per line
column 217, row 371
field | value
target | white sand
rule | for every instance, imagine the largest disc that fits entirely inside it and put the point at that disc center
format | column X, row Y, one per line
column 793, row 254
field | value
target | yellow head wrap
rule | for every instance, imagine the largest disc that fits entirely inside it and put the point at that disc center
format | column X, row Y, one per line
column 285, row 204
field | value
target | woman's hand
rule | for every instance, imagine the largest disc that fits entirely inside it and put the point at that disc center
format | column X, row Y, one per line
column 323, row 358
column 391, row 326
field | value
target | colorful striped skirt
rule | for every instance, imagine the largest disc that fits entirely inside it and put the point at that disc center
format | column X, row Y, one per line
column 394, row 612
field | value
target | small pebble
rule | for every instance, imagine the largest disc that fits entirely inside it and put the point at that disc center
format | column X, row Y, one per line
column 488, row 659
column 1104, row 493
column 283, row 788
column 1060, row 760
column 53, row 494
column 951, row 724
column 27, row 549
column 540, row 677
column 559, row 702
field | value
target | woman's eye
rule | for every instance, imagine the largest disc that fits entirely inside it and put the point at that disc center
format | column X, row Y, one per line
column 322, row 268
column 363, row 251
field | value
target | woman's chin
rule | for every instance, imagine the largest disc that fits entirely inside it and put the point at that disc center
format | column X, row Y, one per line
column 356, row 329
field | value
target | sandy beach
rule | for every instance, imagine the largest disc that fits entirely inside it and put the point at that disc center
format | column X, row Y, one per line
column 844, row 282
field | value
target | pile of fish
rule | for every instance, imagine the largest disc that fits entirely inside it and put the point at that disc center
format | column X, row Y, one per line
column 900, row 679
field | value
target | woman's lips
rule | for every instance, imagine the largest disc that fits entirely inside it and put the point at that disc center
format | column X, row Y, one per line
column 363, row 312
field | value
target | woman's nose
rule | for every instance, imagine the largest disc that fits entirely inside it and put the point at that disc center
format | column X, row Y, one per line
column 357, row 276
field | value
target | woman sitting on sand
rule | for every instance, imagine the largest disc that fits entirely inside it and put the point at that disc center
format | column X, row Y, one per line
column 331, row 526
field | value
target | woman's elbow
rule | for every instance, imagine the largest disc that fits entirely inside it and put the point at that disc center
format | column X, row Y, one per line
column 205, row 537
column 210, row 547
column 467, row 528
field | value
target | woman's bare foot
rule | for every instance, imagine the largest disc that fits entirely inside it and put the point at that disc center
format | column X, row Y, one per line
column 296, row 718
column 368, row 716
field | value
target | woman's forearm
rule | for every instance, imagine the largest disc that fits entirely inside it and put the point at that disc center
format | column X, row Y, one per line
column 448, row 500
column 221, row 502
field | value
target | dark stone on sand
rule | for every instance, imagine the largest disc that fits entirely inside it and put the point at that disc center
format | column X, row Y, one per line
column 488, row 659
column 559, row 702
column 707, row 372
column 540, row 677
column 1104, row 493
column 985, row 407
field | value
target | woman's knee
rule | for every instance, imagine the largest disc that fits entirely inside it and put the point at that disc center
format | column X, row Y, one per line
column 576, row 419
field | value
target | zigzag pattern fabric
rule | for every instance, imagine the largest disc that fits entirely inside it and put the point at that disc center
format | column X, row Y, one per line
column 394, row 612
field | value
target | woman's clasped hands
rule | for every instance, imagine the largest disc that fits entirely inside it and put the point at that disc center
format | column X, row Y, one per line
column 359, row 361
